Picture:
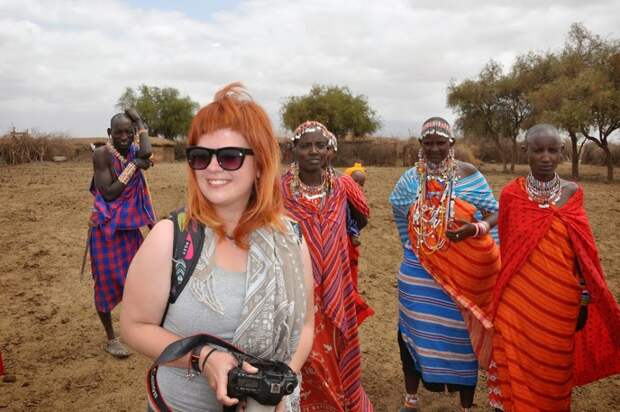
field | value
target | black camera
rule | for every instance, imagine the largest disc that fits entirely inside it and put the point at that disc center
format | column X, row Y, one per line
column 272, row 381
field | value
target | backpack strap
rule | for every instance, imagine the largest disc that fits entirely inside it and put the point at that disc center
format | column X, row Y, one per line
column 186, row 248
column 297, row 229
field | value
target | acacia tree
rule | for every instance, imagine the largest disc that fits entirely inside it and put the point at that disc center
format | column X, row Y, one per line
column 480, row 107
column 336, row 107
column 584, row 96
column 164, row 110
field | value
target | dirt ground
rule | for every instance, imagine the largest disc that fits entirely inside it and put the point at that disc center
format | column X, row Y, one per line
column 51, row 339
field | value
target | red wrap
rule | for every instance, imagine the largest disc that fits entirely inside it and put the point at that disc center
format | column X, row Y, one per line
column 356, row 199
column 522, row 223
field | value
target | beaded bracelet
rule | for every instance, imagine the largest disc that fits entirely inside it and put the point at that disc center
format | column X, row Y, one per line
column 482, row 228
column 128, row 172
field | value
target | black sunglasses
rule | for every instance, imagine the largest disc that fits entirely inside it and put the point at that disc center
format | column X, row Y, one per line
column 229, row 158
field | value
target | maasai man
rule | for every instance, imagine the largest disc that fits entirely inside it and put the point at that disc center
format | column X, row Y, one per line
column 550, row 270
column 317, row 199
column 122, row 205
column 444, row 210
column 358, row 175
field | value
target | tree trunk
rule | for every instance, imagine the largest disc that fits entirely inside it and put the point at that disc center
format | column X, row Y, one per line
column 575, row 156
column 609, row 162
column 502, row 155
column 513, row 157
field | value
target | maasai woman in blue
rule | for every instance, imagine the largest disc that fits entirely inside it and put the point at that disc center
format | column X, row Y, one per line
column 448, row 271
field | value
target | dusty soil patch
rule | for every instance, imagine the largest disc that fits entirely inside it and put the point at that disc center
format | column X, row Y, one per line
column 52, row 341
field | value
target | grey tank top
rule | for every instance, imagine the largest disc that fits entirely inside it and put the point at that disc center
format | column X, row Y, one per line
column 186, row 317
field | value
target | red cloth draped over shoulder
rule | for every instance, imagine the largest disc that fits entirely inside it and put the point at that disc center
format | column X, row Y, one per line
column 521, row 226
column 356, row 198
column 332, row 373
column 467, row 271
column 324, row 229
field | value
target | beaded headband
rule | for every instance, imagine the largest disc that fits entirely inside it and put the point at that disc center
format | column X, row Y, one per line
column 311, row 126
column 437, row 126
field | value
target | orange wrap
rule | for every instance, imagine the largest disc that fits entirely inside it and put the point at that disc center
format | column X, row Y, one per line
column 467, row 271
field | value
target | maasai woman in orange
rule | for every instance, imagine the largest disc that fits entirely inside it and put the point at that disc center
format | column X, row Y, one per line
column 317, row 199
column 546, row 339
column 444, row 209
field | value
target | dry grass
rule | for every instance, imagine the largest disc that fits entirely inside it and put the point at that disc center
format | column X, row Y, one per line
column 32, row 147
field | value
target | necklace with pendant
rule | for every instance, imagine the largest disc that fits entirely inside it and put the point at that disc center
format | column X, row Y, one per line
column 431, row 217
column 543, row 193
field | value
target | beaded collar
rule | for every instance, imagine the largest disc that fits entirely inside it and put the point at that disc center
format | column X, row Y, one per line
column 543, row 193
column 430, row 219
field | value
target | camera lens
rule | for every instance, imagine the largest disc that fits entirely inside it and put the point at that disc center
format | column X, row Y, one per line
column 289, row 388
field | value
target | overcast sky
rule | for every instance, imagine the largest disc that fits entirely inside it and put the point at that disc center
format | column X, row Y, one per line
column 64, row 64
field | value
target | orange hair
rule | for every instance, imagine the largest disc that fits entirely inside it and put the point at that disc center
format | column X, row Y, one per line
column 233, row 108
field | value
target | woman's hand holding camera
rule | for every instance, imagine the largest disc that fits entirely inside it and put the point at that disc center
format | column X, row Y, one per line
column 216, row 370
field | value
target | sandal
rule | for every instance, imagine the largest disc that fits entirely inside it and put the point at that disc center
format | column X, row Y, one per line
column 115, row 348
column 411, row 403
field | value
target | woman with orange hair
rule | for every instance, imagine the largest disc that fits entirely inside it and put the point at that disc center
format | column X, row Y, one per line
column 252, row 284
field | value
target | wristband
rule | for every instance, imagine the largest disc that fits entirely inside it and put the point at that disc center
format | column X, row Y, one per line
column 477, row 230
column 204, row 362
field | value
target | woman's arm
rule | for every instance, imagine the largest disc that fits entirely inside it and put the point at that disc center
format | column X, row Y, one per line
column 307, row 333
column 146, row 295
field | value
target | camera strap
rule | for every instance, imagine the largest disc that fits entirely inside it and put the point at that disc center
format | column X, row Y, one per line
column 175, row 351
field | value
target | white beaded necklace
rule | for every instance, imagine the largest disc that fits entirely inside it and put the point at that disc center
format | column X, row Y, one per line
column 543, row 193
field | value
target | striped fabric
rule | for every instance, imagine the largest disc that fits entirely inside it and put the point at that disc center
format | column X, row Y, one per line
column 115, row 234
column 433, row 328
column 535, row 330
column 131, row 210
column 332, row 374
column 538, row 355
column 430, row 320
column 356, row 199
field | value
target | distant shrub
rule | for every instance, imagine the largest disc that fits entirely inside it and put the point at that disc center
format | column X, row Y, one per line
column 594, row 155
column 375, row 152
column 16, row 148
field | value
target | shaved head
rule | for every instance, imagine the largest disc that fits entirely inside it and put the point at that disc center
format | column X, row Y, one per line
column 542, row 129
column 543, row 146
column 117, row 117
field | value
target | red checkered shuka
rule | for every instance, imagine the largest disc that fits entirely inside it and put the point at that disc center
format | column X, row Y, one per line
column 115, row 233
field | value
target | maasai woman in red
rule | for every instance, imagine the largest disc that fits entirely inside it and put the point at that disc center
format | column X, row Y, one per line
column 548, row 339
column 317, row 199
